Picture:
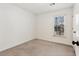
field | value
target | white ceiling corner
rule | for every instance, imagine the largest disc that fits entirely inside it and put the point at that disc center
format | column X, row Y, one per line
column 38, row 8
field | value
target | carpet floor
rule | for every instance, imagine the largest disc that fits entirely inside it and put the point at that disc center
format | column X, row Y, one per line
column 39, row 48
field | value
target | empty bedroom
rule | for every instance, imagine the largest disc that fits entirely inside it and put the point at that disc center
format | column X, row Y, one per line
column 39, row 29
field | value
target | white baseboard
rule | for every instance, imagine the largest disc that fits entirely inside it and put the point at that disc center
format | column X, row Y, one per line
column 56, row 42
column 14, row 45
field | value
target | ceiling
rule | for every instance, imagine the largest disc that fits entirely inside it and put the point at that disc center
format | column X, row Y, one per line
column 38, row 8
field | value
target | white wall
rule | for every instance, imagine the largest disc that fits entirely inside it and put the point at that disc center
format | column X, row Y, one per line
column 16, row 26
column 45, row 26
column 76, row 9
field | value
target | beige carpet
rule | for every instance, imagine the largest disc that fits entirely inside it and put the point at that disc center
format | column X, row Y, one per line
column 39, row 48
